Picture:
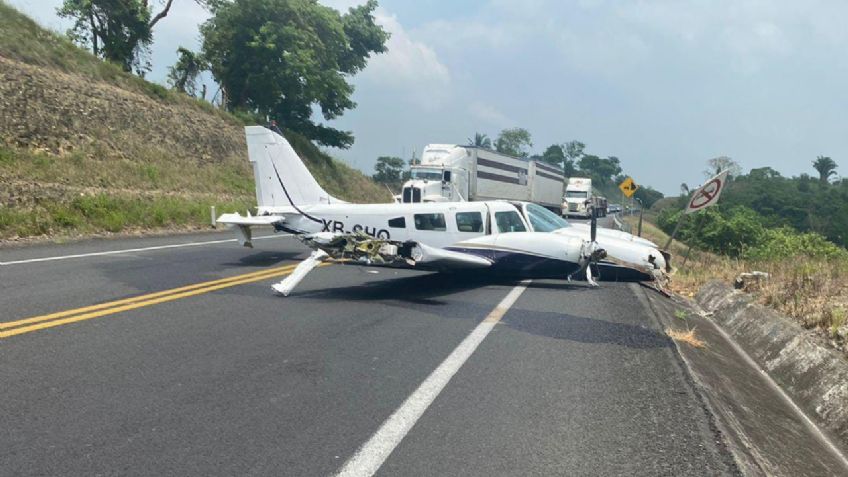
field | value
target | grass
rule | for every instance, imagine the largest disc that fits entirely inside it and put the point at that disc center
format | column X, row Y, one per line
column 153, row 158
column 813, row 291
column 85, row 167
column 687, row 337
column 99, row 213
column 24, row 40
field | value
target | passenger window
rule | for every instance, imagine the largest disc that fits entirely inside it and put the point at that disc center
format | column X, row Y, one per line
column 509, row 222
column 430, row 222
column 398, row 223
column 469, row 222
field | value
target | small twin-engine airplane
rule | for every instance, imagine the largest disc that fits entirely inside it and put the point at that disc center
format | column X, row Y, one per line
column 516, row 239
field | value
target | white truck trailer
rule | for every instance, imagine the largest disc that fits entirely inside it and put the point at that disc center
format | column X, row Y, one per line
column 450, row 173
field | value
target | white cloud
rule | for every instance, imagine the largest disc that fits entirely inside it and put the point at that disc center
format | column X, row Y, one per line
column 409, row 67
column 489, row 115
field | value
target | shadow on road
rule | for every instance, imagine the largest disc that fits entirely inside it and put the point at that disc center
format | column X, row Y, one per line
column 425, row 288
column 585, row 330
column 263, row 259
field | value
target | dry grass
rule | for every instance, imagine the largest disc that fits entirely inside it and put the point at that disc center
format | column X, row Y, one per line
column 687, row 337
column 812, row 291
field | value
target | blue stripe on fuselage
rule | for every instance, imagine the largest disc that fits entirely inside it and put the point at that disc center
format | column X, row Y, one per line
column 521, row 264
column 538, row 266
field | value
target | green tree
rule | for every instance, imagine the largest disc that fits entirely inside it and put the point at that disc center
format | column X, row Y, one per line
column 826, row 167
column 283, row 58
column 480, row 140
column 573, row 152
column 601, row 170
column 119, row 31
column 554, row 155
column 388, row 169
column 648, row 195
column 722, row 163
column 514, row 141
column 183, row 75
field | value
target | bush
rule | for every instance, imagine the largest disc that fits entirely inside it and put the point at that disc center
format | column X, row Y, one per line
column 785, row 242
column 742, row 232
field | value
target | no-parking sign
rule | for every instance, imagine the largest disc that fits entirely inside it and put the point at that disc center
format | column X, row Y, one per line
column 707, row 194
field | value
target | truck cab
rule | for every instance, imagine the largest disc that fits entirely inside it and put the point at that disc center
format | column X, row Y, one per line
column 577, row 194
column 435, row 184
column 442, row 175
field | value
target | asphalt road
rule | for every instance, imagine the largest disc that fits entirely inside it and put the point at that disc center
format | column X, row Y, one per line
column 229, row 379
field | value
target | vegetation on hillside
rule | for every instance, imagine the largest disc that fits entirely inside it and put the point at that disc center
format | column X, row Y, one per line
column 87, row 148
column 24, row 40
column 117, row 31
column 794, row 229
column 764, row 199
column 285, row 58
column 810, row 287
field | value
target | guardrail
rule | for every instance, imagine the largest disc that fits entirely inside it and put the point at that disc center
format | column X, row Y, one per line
column 621, row 225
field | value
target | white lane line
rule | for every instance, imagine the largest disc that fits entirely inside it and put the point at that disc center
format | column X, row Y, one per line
column 131, row 250
column 377, row 449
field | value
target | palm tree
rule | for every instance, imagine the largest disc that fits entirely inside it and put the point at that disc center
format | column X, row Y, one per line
column 826, row 167
column 480, row 140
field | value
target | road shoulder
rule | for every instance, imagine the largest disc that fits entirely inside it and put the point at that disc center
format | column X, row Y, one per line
column 762, row 428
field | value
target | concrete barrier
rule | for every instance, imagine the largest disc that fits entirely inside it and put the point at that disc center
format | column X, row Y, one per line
column 814, row 375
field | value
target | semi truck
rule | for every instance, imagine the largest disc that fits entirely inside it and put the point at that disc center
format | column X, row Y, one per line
column 578, row 193
column 451, row 173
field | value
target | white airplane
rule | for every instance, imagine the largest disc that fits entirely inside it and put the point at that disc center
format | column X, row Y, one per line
column 505, row 238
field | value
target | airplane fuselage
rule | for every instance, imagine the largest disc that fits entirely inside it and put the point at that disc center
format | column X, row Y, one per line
column 436, row 224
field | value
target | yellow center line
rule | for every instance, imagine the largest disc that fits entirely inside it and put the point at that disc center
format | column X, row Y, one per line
column 61, row 314
column 161, row 297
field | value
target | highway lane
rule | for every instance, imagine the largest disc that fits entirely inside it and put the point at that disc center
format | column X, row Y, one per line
column 239, row 381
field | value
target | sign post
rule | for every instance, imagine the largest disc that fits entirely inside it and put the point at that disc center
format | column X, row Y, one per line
column 704, row 196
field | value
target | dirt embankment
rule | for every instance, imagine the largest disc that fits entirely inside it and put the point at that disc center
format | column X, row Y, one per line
column 47, row 109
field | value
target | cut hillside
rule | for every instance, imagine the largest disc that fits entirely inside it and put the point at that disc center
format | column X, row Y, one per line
column 86, row 148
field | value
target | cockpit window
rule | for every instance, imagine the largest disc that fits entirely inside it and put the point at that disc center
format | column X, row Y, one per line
column 543, row 220
column 509, row 222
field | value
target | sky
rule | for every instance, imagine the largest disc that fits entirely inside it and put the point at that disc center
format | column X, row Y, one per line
column 662, row 85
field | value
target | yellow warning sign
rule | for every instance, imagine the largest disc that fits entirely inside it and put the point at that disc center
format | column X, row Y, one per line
column 628, row 187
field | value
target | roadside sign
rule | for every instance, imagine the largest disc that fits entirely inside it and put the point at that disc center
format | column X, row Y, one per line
column 628, row 187
column 707, row 194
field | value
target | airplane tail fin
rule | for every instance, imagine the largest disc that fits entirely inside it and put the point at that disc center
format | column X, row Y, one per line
column 282, row 179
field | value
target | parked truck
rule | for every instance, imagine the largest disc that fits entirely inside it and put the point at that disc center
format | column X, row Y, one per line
column 578, row 193
column 450, row 173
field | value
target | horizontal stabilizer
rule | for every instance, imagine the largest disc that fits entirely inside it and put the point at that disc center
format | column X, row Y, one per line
column 238, row 219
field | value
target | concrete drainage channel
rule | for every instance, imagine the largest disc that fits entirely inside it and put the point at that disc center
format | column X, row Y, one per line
column 778, row 396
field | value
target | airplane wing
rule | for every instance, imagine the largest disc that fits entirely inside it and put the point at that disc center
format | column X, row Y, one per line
column 367, row 250
column 432, row 258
